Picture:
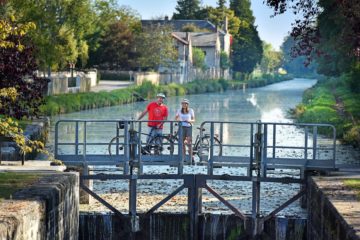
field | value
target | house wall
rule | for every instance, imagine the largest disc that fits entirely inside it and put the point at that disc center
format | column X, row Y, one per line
column 210, row 56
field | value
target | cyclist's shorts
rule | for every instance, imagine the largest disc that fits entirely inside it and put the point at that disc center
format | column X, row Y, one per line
column 187, row 131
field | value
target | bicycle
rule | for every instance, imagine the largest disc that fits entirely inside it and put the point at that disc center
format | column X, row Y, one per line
column 201, row 145
column 153, row 147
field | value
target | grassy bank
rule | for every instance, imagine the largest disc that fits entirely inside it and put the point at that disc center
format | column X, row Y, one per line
column 11, row 182
column 67, row 103
column 332, row 101
column 355, row 185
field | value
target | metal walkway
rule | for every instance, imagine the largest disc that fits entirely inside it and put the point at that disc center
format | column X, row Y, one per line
column 256, row 146
column 282, row 145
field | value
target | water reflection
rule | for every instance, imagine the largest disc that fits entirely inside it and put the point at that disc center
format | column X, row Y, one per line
column 269, row 103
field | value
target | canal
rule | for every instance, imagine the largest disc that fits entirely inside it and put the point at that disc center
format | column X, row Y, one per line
column 268, row 104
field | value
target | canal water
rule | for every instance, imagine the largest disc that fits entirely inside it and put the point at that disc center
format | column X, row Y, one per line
column 268, row 104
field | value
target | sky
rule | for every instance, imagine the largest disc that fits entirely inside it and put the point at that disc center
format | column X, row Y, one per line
column 271, row 29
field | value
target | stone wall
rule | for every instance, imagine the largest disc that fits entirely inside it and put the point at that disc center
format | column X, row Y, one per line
column 324, row 220
column 48, row 209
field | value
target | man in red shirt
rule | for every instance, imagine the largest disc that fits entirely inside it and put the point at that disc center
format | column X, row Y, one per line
column 157, row 111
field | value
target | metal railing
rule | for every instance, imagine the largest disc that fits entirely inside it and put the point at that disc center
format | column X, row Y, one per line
column 254, row 145
column 114, row 145
column 283, row 145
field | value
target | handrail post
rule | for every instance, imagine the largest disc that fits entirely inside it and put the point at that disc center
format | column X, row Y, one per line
column 256, row 220
column 84, row 147
column 263, row 150
column 211, row 152
column 132, row 202
column 314, row 142
column 126, row 147
column 181, row 153
column 141, row 164
column 56, row 139
column 76, row 138
column 251, row 164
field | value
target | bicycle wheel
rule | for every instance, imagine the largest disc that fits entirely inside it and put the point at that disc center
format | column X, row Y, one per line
column 202, row 147
column 160, row 145
column 116, row 146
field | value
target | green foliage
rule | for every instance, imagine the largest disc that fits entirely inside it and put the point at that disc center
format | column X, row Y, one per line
column 217, row 16
column 116, row 47
column 61, row 27
column 321, row 105
column 224, row 61
column 186, row 9
column 295, row 65
column 354, row 184
column 271, row 59
column 242, row 9
column 115, row 41
column 198, row 58
column 192, row 28
column 353, row 78
column 155, row 48
column 247, row 48
column 337, row 25
column 118, row 76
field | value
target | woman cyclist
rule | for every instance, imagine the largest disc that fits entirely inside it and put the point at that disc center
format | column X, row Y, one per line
column 186, row 117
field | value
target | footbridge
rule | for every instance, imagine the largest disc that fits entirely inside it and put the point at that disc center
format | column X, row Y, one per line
column 256, row 146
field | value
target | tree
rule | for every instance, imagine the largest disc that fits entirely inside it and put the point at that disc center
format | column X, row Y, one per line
column 247, row 49
column 329, row 29
column 11, row 36
column 217, row 16
column 295, row 65
column 198, row 58
column 61, row 29
column 242, row 10
column 221, row 4
column 155, row 47
column 224, row 62
column 271, row 59
column 17, row 70
column 186, row 9
column 247, row 46
column 116, row 47
column 116, row 28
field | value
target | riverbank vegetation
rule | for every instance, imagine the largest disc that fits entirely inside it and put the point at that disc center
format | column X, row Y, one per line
column 332, row 100
column 67, row 103
column 355, row 185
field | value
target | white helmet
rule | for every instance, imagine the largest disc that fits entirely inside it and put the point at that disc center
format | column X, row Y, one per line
column 185, row 101
column 161, row 95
